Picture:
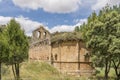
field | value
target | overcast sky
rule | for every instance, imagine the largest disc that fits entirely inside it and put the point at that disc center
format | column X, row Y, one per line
column 55, row 15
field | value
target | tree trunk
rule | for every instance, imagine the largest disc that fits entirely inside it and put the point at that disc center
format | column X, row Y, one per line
column 0, row 71
column 13, row 69
column 116, row 68
column 17, row 71
column 107, row 68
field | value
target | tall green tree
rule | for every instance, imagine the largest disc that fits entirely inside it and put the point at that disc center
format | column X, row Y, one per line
column 3, row 48
column 102, row 36
column 18, row 46
column 114, row 47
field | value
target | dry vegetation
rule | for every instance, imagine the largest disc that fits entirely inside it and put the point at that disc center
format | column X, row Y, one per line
column 65, row 36
column 36, row 71
column 44, row 71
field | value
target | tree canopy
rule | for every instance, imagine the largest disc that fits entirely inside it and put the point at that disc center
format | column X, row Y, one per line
column 3, row 48
column 18, row 46
column 102, row 35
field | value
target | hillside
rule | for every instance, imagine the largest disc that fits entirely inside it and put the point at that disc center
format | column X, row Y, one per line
column 35, row 71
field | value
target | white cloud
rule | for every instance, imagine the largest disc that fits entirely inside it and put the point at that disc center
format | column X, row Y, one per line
column 26, row 24
column 4, row 20
column 68, row 28
column 53, row 6
column 102, row 3
column 29, row 25
column 81, row 21
column 62, row 28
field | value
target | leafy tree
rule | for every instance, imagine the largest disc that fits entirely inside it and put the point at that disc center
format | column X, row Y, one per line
column 112, row 26
column 102, row 36
column 18, row 46
column 3, row 48
column 114, row 47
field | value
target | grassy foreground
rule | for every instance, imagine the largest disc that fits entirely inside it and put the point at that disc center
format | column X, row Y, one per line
column 44, row 71
column 36, row 71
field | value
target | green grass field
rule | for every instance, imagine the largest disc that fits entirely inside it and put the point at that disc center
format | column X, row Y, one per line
column 44, row 71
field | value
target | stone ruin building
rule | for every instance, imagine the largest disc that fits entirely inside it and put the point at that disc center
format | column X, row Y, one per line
column 65, row 51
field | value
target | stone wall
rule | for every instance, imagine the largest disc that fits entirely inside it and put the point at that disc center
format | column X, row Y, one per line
column 40, row 34
column 70, row 57
column 40, row 52
column 40, row 47
column 67, row 56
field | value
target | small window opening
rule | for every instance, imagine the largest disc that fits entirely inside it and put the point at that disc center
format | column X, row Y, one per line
column 55, row 56
column 87, row 57
column 38, row 34
column 47, row 58
column 44, row 34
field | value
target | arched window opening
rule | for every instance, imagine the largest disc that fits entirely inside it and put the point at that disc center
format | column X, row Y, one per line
column 38, row 34
column 55, row 56
column 87, row 57
column 45, row 34
column 47, row 58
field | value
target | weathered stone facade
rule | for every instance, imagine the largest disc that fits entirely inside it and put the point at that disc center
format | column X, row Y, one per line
column 40, row 45
column 70, row 56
